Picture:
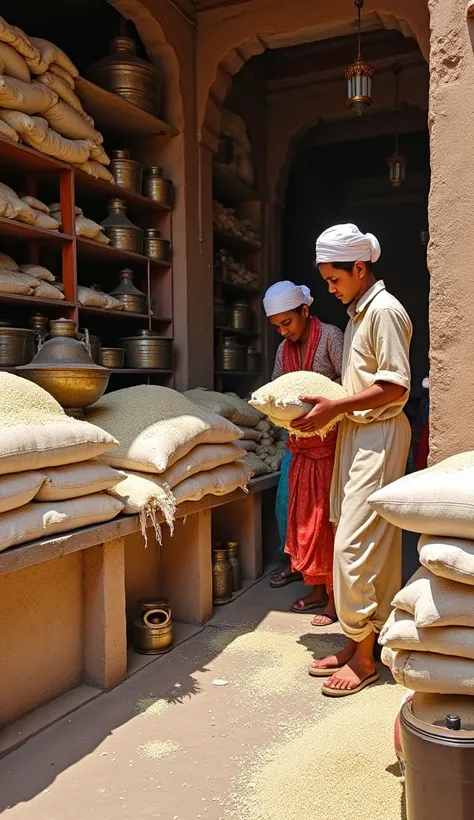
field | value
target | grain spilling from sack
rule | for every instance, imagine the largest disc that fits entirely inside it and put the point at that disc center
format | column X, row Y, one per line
column 150, row 498
column 280, row 399
column 436, row 601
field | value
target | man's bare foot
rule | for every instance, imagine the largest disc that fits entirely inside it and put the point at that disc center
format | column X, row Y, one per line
column 351, row 675
column 326, row 665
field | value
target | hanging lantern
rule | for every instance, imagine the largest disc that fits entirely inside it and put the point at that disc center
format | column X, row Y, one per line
column 359, row 75
column 397, row 163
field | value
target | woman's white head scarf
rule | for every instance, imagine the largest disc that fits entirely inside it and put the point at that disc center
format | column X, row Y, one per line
column 283, row 296
column 345, row 243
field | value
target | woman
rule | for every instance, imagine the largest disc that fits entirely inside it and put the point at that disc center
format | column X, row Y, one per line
column 308, row 345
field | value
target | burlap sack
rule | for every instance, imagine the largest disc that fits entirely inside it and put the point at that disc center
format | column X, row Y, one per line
column 451, row 558
column 55, row 210
column 67, row 122
column 97, row 153
column 250, row 433
column 435, row 601
column 428, row 672
column 438, row 501
column 42, row 520
column 212, row 402
column 62, row 89
column 202, row 458
column 256, row 465
column 38, row 271
column 221, row 481
column 60, row 72
column 29, row 98
column 248, row 446
column 7, row 263
column 19, row 489
column 96, row 170
column 35, row 203
column 13, row 282
column 90, row 297
column 87, row 227
column 13, row 64
column 18, row 209
column 51, row 53
column 45, row 221
column 8, row 133
column 401, row 632
column 17, row 38
column 47, row 291
column 111, row 303
column 77, row 480
column 36, row 132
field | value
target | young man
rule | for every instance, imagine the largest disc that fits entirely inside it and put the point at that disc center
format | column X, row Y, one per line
column 372, row 451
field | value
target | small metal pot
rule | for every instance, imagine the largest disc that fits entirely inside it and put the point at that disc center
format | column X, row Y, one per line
column 221, row 576
column 126, row 172
column 148, row 350
column 112, row 357
column 17, row 345
column 231, row 355
column 241, row 316
column 153, row 631
column 155, row 246
column 156, row 186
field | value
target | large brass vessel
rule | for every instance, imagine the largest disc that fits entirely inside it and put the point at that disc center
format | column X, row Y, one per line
column 123, row 234
column 17, row 345
column 63, row 366
column 126, row 172
column 134, row 301
column 148, row 350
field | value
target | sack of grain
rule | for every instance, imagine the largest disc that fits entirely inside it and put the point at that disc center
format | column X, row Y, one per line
column 36, row 204
column 17, row 38
column 7, row 263
column 401, row 632
column 212, row 402
column 65, row 75
column 38, row 272
column 45, row 221
column 95, row 169
column 8, row 133
column 156, row 426
column 77, row 480
column 87, row 227
column 19, row 489
column 435, row 601
column 150, row 498
column 250, row 433
column 256, row 465
column 451, row 558
column 62, row 89
column 111, row 303
column 246, row 415
column 18, row 209
column 248, row 446
column 36, row 433
column 202, row 458
column 221, row 481
column 50, row 53
column 14, row 282
column 40, row 520
column 97, row 153
column 47, row 291
column 428, row 672
column 90, row 297
column 13, row 64
column 436, row 501
column 280, row 399
column 67, row 122
column 29, row 98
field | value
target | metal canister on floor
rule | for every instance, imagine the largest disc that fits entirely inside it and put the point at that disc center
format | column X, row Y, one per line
column 233, row 553
column 221, row 576
column 153, row 630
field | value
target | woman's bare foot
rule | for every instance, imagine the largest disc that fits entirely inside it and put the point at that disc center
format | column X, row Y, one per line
column 336, row 661
column 355, row 670
column 329, row 615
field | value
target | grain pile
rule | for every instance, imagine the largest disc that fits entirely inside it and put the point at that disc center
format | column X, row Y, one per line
column 429, row 638
column 49, row 480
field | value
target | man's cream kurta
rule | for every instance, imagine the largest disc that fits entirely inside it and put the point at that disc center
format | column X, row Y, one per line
column 372, row 451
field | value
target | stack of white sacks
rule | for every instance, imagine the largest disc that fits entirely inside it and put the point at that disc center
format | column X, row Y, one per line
column 171, row 449
column 428, row 641
column 50, row 481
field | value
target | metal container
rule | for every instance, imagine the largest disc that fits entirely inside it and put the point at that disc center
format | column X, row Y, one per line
column 17, row 345
column 126, row 172
column 148, row 350
column 122, row 233
column 439, row 759
column 157, row 187
column 220, row 312
column 63, row 366
column 94, row 346
column 155, row 246
column 40, row 325
column 241, row 316
column 254, row 360
column 153, row 630
column 127, row 75
column 221, row 576
column 233, row 553
column 232, row 356
column 112, row 357
column 134, row 301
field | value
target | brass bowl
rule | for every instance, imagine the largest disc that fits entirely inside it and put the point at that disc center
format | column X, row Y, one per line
column 112, row 357
column 71, row 387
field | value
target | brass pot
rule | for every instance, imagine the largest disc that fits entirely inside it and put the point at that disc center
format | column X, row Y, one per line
column 153, row 631
column 221, row 576
column 39, row 323
column 134, row 301
column 122, row 233
column 126, row 172
column 64, row 368
column 112, row 357
column 231, row 355
column 241, row 316
column 127, row 75
column 156, row 186
column 233, row 553
column 17, row 345
column 155, row 246
column 148, row 350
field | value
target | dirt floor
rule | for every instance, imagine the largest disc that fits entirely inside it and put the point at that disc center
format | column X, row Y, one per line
column 227, row 725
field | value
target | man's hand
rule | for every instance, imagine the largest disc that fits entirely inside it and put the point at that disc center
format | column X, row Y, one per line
column 324, row 411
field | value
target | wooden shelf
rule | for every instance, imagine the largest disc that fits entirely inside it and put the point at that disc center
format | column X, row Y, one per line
column 34, row 301
column 115, row 115
column 238, row 373
column 234, row 332
column 20, row 230
column 106, row 253
column 234, row 243
column 19, row 157
column 229, row 187
column 130, row 371
column 85, row 184
column 235, row 287
column 126, row 315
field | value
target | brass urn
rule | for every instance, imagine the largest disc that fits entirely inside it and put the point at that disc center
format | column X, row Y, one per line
column 126, row 172
column 63, row 366
column 221, row 577
column 134, row 301
column 127, row 75
column 123, row 234
column 153, row 630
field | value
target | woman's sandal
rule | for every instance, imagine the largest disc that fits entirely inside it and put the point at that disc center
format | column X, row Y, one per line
column 286, row 578
column 306, row 607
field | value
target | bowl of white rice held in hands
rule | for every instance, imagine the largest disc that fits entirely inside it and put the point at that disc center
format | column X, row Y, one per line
column 280, row 399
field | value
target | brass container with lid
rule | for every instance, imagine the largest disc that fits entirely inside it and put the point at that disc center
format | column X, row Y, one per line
column 241, row 316
column 17, row 345
column 153, row 630
column 126, row 172
column 63, row 366
column 123, row 234
column 112, row 357
column 231, row 356
column 134, row 301
column 155, row 246
column 221, row 577
column 39, row 323
column 148, row 350
column 157, row 187
column 127, row 75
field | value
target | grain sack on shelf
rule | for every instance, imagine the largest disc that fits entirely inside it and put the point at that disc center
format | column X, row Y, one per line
column 36, row 432
column 17, row 38
column 202, row 458
column 90, row 297
column 13, row 64
column 89, row 229
column 248, row 446
column 435, row 601
column 40, row 520
column 436, row 501
column 401, row 633
column 451, row 558
column 38, row 272
column 29, row 98
column 77, row 480
column 111, row 303
column 7, row 263
column 62, row 89
column 55, row 210
column 156, row 426
column 50, row 53
column 212, row 402
column 95, row 169
column 47, row 291
column 60, row 72
column 19, row 489
column 250, row 433
column 148, row 497
column 8, row 133
column 97, row 153
column 36, row 132
column 14, row 282
column 45, row 221
column 256, row 465
column 429, row 672
column 67, row 122
column 36, row 204
column 221, row 481
column 12, row 207
column 245, row 414
column 280, row 399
